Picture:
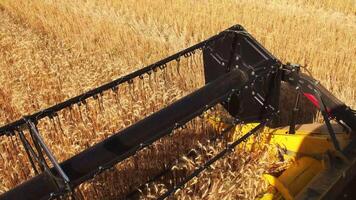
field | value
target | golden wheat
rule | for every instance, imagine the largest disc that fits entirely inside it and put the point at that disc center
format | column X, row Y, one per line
column 52, row 50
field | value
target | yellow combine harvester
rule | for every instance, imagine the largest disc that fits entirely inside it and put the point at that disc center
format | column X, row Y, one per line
column 309, row 150
column 245, row 79
column 314, row 157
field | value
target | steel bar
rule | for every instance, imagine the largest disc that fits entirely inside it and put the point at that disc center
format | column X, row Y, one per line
column 48, row 152
column 294, row 114
column 327, row 122
column 312, row 88
column 170, row 165
column 127, row 142
column 29, row 151
column 211, row 161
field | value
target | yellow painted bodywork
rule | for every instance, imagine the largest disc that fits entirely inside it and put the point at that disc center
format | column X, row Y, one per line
column 295, row 178
column 306, row 149
column 309, row 139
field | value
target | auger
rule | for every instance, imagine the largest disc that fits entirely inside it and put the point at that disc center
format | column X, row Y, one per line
column 243, row 77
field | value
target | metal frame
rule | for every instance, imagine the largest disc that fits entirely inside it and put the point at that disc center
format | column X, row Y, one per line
column 330, row 106
column 229, row 148
column 9, row 129
column 104, row 155
column 37, row 153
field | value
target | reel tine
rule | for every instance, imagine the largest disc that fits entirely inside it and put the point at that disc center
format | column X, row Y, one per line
column 154, row 69
column 131, row 81
column 178, row 66
column 51, row 118
column 79, row 104
column 101, row 101
column 71, row 110
column 115, row 89
column 59, row 123
column 162, row 66
column 186, row 55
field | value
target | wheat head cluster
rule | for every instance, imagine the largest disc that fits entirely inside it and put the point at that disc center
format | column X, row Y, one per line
column 51, row 50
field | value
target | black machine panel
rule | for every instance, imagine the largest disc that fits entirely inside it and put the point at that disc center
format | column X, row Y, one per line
column 238, row 49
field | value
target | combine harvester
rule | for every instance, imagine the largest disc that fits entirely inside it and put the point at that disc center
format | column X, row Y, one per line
column 245, row 79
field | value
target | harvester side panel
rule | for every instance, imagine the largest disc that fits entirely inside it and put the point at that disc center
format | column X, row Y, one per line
column 238, row 49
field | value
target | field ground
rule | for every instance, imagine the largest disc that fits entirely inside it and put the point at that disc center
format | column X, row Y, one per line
column 51, row 50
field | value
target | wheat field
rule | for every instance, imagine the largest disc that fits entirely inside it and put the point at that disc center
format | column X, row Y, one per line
column 51, row 50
